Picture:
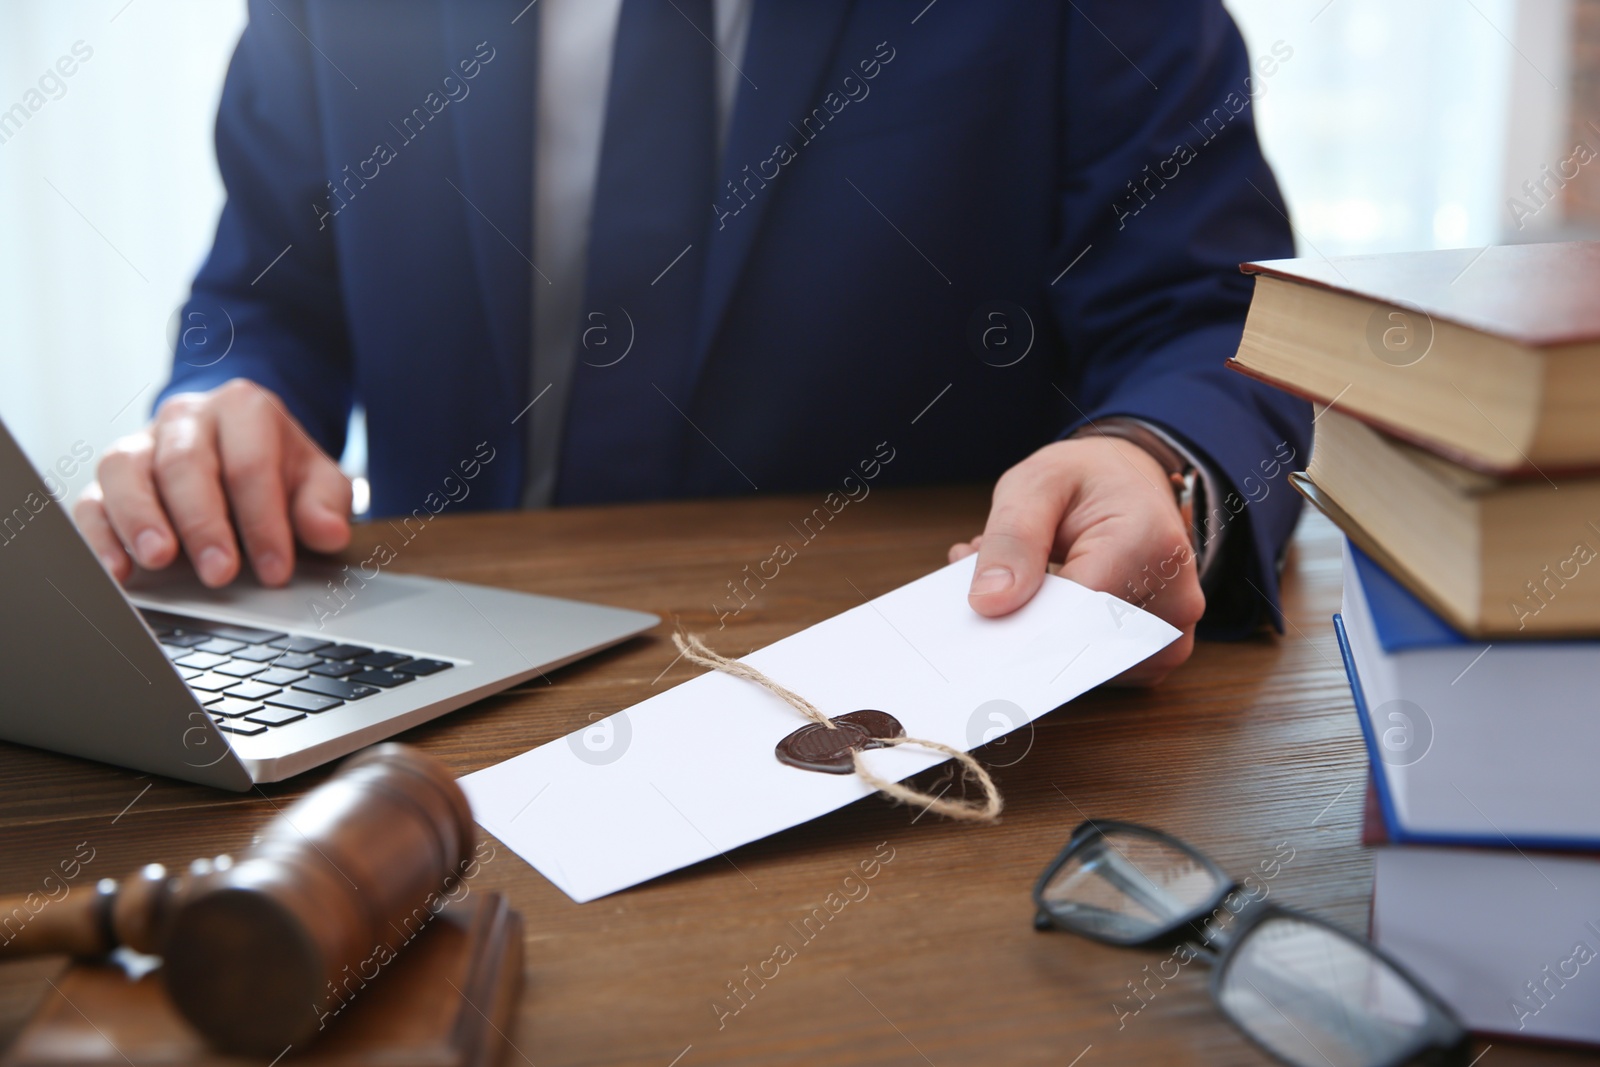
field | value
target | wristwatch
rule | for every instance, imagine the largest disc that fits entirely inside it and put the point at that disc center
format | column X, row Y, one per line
column 1187, row 485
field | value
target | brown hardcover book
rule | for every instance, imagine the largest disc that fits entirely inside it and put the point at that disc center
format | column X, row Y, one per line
column 1496, row 557
column 446, row 999
column 1489, row 357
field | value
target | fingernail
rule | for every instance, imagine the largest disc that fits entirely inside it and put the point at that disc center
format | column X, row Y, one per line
column 269, row 566
column 109, row 564
column 992, row 580
column 212, row 565
column 147, row 546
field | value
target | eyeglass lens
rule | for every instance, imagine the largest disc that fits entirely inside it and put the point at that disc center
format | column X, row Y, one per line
column 1125, row 886
column 1315, row 997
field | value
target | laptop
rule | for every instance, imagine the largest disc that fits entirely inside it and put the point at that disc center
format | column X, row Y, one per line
column 234, row 686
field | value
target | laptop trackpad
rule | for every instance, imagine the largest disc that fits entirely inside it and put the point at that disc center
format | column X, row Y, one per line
column 319, row 593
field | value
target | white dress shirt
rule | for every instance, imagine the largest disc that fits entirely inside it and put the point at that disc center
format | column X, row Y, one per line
column 575, row 45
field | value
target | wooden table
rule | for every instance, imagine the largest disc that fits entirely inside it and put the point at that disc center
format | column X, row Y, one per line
column 1250, row 746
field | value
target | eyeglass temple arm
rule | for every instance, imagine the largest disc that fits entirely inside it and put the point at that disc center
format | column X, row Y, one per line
column 1127, row 876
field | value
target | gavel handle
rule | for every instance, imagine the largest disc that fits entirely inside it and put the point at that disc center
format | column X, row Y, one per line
column 91, row 921
column 78, row 924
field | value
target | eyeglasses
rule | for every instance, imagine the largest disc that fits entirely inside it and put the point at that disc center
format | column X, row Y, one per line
column 1307, row 993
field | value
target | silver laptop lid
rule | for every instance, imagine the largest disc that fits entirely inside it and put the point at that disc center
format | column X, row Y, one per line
column 82, row 673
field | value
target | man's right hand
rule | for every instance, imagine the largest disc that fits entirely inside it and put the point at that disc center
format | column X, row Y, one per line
column 211, row 460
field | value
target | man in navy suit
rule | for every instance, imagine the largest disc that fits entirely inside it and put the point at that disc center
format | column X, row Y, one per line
column 603, row 250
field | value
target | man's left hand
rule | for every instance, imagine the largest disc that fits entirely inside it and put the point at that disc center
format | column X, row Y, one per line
column 1104, row 509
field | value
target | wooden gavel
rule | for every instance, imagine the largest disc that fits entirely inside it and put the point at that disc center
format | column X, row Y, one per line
column 255, row 948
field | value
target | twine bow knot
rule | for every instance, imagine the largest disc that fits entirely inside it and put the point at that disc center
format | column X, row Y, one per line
column 987, row 810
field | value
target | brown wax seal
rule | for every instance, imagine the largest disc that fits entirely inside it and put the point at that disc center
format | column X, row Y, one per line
column 814, row 747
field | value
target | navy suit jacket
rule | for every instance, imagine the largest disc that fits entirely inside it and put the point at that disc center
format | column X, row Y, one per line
column 961, row 230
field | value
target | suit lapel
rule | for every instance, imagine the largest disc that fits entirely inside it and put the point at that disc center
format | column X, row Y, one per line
column 494, row 134
column 790, row 48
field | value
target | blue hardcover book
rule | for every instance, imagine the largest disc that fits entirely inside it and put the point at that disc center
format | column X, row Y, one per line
column 1472, row 743
column 1401, row 620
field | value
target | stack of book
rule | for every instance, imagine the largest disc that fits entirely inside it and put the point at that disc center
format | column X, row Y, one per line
column 1458, row 447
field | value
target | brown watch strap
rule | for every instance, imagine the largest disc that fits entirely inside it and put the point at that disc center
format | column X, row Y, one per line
column 1171, row 459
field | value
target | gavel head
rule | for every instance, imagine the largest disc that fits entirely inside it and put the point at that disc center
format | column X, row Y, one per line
column 260, row 953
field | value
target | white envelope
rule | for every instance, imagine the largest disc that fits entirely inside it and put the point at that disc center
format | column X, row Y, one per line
column 690, row 773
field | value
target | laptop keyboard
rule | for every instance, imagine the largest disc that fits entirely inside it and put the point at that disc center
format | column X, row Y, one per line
column 251, row 680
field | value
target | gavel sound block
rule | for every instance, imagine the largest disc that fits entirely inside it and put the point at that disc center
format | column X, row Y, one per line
column 259, row 952
column 448, row 1000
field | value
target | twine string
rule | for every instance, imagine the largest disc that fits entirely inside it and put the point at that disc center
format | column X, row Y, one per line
column 695, row 651
column 987, row 810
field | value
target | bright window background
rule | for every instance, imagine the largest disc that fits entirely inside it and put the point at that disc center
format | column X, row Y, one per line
column 1405, row 124
column 1396, row 124
column 111, row 196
